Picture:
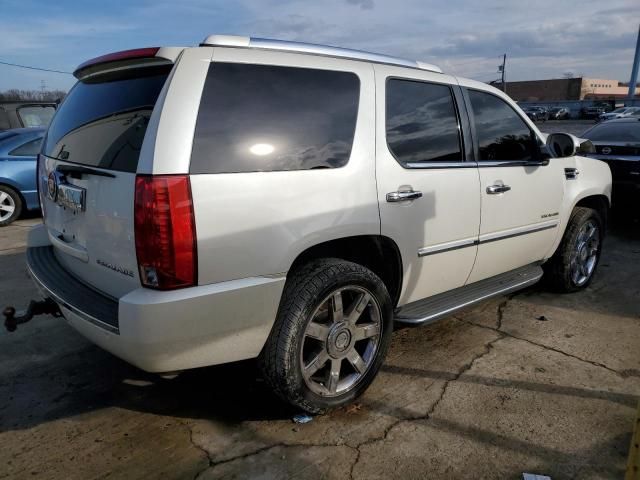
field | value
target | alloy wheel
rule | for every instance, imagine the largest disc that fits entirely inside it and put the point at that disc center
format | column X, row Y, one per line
column 341, row 341
column 585, row 254
column 7, row 206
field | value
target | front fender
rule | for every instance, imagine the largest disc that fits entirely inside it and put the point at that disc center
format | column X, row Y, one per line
column 593, row 179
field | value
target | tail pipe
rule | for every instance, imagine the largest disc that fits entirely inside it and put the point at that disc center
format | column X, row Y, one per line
column 36, row 307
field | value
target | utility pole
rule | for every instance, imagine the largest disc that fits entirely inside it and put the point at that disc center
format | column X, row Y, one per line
column 501, row 70
column 634, row 70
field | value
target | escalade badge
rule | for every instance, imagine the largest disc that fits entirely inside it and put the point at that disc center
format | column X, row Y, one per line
column 606, row 150
column 52, row 186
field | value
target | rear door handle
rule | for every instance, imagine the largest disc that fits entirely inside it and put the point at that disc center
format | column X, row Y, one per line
column 495, row 189
column 403, row 196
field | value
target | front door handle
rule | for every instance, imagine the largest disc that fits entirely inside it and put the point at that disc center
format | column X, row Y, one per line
column 403, row 196
column 495, row 189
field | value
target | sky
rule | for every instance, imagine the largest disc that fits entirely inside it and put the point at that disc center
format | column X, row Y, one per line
column 542, row 38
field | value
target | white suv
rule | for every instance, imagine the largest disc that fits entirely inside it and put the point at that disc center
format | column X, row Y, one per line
column 252, row 198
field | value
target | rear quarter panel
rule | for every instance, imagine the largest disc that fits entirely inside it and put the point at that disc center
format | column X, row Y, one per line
column 256, row 224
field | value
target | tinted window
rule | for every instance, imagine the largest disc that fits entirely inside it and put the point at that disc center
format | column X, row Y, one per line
column 36, row 115
column 31, row 148
column 421, row 122
column 102, row 121
column 265, row 118
column 502, row 134
column 614, row 132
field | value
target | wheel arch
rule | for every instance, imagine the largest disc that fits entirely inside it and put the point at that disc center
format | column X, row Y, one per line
column 15, row 188
column 598, row 202
column 378, row 253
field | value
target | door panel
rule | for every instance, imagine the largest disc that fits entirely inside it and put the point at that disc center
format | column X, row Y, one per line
column 520, row 201
column 437, row 232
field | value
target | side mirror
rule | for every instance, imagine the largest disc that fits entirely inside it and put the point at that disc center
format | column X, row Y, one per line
column 562, row 145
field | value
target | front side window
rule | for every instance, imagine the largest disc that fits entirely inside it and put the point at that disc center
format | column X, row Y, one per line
column 502, row 134
column 422, row 123
column 255, row 118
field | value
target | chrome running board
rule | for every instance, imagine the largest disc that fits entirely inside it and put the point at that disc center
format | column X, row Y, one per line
column 434, row 308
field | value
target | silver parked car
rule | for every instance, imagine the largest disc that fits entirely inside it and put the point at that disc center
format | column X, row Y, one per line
column 622, row 112
column 252, row 198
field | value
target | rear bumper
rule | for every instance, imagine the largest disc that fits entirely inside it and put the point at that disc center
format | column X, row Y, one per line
column 165, row 331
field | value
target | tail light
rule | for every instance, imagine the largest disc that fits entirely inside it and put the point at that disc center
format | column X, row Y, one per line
column 165, row 232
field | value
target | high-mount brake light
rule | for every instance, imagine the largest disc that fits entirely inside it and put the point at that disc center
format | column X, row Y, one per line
column 136, row 53
column 165, row 232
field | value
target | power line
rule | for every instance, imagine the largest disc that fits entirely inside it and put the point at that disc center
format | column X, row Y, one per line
column 33, row 68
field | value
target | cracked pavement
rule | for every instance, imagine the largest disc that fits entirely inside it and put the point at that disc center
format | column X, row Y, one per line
column 534, row 382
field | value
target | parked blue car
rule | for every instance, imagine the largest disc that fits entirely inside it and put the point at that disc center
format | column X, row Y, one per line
column 19, row 149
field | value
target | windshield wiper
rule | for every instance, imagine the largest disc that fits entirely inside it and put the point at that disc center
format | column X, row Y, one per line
column 73, row 170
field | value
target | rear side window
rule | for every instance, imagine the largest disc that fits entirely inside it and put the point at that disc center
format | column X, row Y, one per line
column 103, row 120
column 36, row 115
column 29, row 149
column 422, row 123
column 502, row 134
column 256, row 118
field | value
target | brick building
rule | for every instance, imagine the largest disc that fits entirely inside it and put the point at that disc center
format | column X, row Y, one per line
column 581, row 88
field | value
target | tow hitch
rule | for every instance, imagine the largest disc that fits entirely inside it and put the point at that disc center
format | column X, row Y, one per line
column 36, row 307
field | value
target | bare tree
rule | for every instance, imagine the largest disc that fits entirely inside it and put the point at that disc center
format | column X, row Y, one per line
column 32, row 95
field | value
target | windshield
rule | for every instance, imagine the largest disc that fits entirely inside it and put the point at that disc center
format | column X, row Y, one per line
column 103, row 120
column 614, row 132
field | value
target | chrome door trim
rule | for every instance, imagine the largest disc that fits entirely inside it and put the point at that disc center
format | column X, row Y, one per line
column 486, row 238
column 518, row 231
column 447, row 246
column 435, row 165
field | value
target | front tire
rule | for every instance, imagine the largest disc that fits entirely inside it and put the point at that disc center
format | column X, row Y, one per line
column 574, row 264
column 330, row 337
column 10, row 205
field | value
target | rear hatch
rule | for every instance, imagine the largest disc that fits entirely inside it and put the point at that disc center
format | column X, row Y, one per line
column 87, row 172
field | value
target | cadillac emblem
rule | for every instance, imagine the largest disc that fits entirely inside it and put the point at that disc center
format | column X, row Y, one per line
column 52, row 186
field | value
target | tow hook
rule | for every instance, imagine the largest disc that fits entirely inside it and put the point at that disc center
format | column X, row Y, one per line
column 36, row 307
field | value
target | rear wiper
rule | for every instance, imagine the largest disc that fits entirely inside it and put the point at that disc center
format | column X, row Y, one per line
column 77, row 170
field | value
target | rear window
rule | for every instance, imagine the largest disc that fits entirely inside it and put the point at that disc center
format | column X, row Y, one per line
column 103, row 120
column 269, row 118
column 614, row 132
column 36, row 115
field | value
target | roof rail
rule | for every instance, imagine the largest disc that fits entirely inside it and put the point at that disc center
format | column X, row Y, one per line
column 269, row 44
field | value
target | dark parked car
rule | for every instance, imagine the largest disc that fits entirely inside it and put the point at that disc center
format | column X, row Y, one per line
column 617, row 142
column 18, row 114
column 558, row 113
column 537, row 114
column 592, row 112
column 19, row 149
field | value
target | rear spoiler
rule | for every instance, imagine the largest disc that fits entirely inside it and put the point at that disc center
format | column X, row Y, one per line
column 152, row 56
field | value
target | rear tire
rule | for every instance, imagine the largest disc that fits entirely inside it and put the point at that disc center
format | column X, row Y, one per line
column 10, row 205
column 574, row 264
column 330, row 337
